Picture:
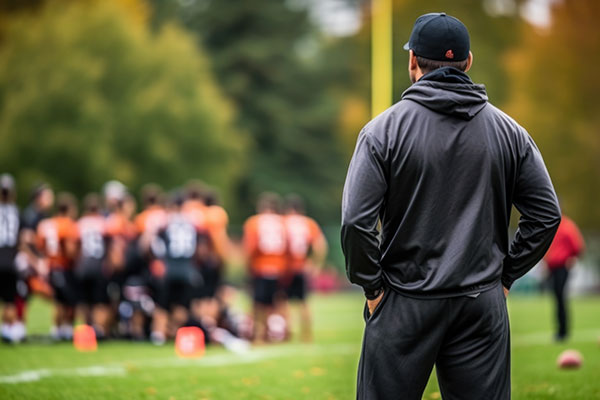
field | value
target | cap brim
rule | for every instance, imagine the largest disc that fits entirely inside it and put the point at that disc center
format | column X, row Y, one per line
column 406, row 47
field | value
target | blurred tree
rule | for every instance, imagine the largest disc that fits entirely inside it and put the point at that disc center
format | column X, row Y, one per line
column 87, row 96
column 554, row 90
column 269, row 60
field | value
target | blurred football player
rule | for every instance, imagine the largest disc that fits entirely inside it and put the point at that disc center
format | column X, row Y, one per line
column 307, row 251
column 266, row 248
column 213, row 251
column 114, row 194
column 567, row 246
column 90, row 270
column 176, row 243
column 58, row 238
column 154, row 216
column 128, row 206
column 35, row 266
column 194, row 206
column 148, row 223
column 128, row 268
column 9, row 245
column 217, row 221
column 42, row 201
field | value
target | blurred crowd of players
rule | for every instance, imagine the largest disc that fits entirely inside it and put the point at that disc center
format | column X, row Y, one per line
column 143, row 275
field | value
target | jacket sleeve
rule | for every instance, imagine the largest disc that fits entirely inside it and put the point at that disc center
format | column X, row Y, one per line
column 535, row 199
column 363, row 197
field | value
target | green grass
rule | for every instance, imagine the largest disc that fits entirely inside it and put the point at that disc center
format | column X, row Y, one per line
column 323, row 370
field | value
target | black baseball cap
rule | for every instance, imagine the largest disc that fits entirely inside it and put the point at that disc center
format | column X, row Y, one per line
column 439, row 37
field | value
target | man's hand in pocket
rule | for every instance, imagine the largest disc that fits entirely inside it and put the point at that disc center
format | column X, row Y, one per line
column 372, row 304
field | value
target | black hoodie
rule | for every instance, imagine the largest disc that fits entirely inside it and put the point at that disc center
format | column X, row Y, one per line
column 440, row 170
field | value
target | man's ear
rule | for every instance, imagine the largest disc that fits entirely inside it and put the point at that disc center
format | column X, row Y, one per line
column 469, row 62
column 412, row 61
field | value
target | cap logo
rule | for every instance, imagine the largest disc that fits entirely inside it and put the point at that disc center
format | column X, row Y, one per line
column 449, row 54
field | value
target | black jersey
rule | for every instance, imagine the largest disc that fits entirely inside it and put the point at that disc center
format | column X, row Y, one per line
column 9, row 235
column 180, row 238
column 92, row 240
column 179, row 241
column 32, row 217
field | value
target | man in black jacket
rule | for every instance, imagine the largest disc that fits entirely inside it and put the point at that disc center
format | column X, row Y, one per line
column 440, row 171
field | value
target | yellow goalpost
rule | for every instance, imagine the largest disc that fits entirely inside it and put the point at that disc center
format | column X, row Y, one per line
column 381, row 56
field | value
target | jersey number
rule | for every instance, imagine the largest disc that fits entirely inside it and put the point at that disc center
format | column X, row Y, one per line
column 182, row 240
column 271, row 237
column 9, row 229
column 92, row 244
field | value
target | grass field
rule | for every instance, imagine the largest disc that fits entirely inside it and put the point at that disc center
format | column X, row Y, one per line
column 323, row 370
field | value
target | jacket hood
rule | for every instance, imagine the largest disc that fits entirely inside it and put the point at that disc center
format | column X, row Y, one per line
column 448, row 91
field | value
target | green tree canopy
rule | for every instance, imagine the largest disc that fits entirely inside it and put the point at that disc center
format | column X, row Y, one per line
column 88, row 93
column 267, row 57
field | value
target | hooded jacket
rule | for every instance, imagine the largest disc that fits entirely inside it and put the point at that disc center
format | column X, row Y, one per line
column 429, row 193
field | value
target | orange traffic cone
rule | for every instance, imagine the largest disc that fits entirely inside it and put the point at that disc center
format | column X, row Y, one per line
column 189, row 342
column 84, row 338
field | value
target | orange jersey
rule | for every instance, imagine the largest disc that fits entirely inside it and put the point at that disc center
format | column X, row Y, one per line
column 302, row 233
column 152, row 219
column 196, row 212
column 216, row 217
column 216, row 224
column 117, row 224
column 55, row 235
column 119, row 230
column 265, row 242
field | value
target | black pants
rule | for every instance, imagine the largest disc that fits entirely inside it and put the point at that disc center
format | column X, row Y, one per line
column 8, row 285
column 466, row 338
column 558, row 277
column 64, row 284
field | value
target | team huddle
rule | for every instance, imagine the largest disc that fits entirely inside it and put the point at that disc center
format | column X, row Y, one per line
column 143, row 276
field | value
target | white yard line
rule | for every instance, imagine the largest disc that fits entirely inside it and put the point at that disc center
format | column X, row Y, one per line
column 38, row 374
column 217, row 360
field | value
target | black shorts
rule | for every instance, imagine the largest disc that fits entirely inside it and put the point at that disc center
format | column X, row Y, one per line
column 64, row 284
column 211, row 279
column 265, row 290
column 92, row 285
column 171, row 293
column 8, row 286
column 93, row 291
column 296, row 288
